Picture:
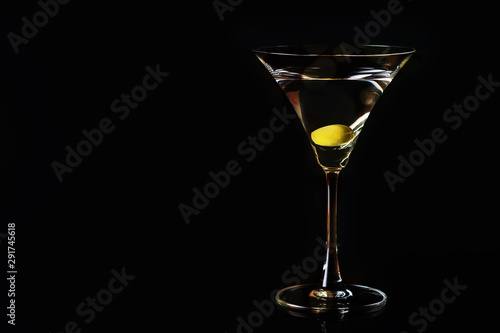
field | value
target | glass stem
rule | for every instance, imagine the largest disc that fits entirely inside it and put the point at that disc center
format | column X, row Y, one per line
column 331, row 272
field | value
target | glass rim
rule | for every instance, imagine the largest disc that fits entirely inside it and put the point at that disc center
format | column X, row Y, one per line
column 274, row 50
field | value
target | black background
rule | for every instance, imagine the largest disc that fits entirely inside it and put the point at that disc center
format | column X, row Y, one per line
column 119, row 207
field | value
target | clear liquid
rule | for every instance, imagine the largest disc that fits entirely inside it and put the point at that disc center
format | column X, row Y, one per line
column 326, row 102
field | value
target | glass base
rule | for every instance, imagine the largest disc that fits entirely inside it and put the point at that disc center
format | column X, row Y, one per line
column 350, row 299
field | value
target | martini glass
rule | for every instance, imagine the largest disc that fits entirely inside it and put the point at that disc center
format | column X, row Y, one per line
column 333, row 93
